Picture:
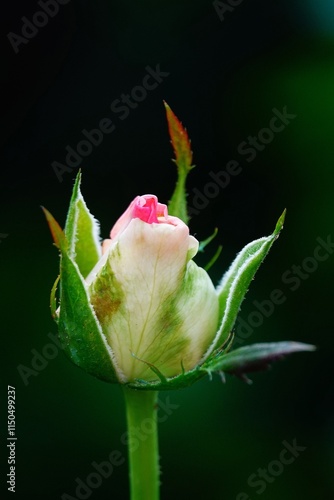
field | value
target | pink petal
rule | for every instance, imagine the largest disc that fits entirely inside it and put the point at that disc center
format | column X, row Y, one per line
column 146, row 208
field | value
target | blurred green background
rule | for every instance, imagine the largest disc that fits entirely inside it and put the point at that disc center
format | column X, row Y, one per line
column 225, row 78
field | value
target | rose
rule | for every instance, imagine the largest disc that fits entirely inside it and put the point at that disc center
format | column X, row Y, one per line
column 137, row 309
column 147, row 293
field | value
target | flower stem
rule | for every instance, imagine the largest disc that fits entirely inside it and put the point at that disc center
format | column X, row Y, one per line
column 141, row 416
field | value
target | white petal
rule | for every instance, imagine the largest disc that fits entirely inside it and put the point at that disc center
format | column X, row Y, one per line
column 152, row 303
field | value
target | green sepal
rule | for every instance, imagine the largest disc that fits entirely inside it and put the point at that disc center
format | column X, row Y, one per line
column 53, row 299
column 79, row 329
column 204, row 243
column 184, row 379
column 235, row 282
column 246, row 359
column 212, row 261
column 252, row 358
column 168, row 384
column 82, row 232
column 154, row 369
column 183, row 158
column 56, row 231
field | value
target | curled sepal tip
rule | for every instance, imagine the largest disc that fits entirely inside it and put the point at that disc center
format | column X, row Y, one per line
column 253, row 358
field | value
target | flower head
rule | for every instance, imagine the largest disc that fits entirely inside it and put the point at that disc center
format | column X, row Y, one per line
column 137, row 309
column 146, row 293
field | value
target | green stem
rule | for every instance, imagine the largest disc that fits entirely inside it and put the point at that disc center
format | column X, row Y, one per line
column 141, row 416
column 178, row 203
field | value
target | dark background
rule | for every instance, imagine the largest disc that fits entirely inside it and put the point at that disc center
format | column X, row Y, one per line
column 225, row 77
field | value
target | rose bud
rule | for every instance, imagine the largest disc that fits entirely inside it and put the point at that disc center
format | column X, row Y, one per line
column 137, row 310
column 154, row 304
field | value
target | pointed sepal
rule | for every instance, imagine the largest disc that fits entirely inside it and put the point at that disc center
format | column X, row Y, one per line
column 79, row 329
column 180, row 141
column 253, row 358
column 82, row 232
column 205, row 243
column 235, row 282
column 53, row 299
column 183, row 159
column 56, row 231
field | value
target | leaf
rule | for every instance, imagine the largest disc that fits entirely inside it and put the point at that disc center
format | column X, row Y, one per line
column 236, row 281
column 183, row 159
column 82, row 232
column 255, row 357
